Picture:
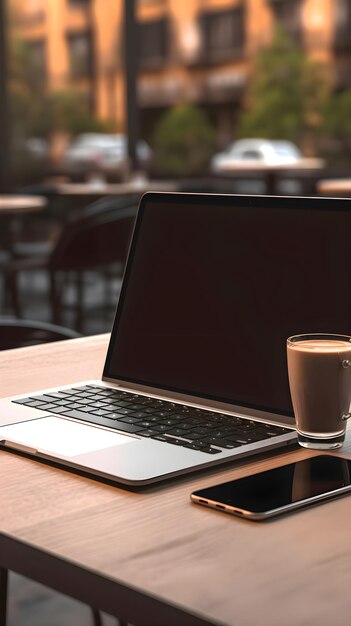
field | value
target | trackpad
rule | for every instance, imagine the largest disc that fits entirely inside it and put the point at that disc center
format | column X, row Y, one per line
column 60, row 437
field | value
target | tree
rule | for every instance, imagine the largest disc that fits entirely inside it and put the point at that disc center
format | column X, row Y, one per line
column 28, row 100
column 184, row 141
column 69, row 113
column 38, row 112
column 336, row 129
column 286, row 94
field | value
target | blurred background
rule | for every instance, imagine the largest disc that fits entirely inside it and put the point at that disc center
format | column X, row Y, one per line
column 101, row 100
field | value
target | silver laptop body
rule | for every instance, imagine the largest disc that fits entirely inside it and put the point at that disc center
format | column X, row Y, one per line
column 213, row 287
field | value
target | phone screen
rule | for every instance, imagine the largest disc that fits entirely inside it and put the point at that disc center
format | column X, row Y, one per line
column 280, row 487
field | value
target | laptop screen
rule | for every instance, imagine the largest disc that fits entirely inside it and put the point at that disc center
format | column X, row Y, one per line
column 215, row 285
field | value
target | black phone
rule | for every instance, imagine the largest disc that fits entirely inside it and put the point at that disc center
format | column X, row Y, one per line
column 279, row 490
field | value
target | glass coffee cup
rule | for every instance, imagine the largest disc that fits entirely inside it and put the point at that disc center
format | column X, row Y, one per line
column 319, row 368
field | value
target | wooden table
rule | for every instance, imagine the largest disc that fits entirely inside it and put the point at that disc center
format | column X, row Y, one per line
column 13, row 209
column 334, row 187
column 11, row 204
column 271, row 172
column 150, row 556
column 109, row 189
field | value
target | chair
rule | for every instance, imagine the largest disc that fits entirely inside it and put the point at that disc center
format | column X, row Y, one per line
column 36, row 235
column 97, row 239
column 15, row 333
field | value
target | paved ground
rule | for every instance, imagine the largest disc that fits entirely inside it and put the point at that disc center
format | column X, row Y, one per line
column 31, row 604
column 100, row 300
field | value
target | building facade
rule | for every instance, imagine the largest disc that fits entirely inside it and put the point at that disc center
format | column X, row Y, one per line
column 194, row 51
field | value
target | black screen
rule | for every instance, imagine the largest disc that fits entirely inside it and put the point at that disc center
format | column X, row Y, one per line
column 283, row 485
column 214, row 287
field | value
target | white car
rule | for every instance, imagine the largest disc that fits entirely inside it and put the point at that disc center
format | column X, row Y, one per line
column 256, row 151
column 103, row 152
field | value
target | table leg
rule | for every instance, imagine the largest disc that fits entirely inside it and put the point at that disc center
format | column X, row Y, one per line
column 270, row 180
column 3, row 595
column 97, row 621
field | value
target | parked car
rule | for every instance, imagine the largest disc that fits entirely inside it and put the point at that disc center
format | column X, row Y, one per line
column 105, row 153
column 256, row 151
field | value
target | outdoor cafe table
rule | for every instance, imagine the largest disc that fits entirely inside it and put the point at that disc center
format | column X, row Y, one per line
column 90, row 190
column 152, row 557
column 271, row 172
column 334, row 187
column 13, row 209
column 12, row 204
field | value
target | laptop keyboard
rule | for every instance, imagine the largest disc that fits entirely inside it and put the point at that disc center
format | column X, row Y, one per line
column 177, row 424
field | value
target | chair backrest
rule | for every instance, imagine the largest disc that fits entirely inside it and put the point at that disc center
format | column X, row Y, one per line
column 15, row 333
column 99, row 237
column 107, row 204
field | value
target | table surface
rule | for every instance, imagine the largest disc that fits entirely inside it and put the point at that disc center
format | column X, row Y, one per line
column 152, row 549
column 100, row 188
column 10, row 204
column 334, row 186
column 307, row 163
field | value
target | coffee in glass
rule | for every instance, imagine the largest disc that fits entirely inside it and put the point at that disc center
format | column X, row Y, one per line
column 319, row 368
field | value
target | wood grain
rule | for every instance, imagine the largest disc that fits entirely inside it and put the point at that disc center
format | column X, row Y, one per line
column 295, row 570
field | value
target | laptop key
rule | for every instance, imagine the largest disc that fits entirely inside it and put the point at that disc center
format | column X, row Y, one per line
column 112, row 415
column 192, row 436
column 127, row 428
column 100, row 412
column 21, row 401
column 176, row 431
column 65, row 402
column 211, row 450
column 229, row 445
column 101, row 421
column 194, row 446
column 47, row 406
column 51, row 395
column 161, row 428
column 129, row 420
column 216, row 441
column 149, row 432
column 58, row 409
column 175, row 441
column 34, row 403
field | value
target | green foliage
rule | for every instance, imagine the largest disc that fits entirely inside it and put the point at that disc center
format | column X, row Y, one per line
column 69, row 113
column 335, row 141
column 184, row 141
column 337, row 116
column 37, row 112
column 286, row 94
column 27, row 98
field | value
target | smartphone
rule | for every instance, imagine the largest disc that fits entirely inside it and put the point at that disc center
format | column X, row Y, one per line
column 279, row 490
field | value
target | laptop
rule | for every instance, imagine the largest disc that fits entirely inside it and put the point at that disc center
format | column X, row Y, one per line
column 195, row 373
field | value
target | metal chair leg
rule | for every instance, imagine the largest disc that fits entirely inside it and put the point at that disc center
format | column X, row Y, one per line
column 3, row 595
column 97, row 621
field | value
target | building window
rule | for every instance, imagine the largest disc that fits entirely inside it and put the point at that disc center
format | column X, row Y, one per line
column 223, row 34
column 37, row 61
column 342, row 23
column 80, row 54
column 288, row 13
column 153, row 43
